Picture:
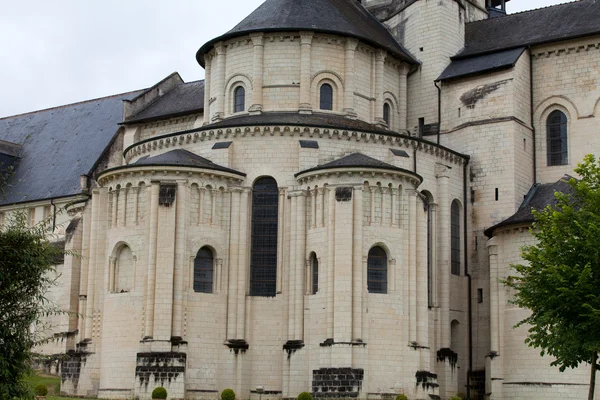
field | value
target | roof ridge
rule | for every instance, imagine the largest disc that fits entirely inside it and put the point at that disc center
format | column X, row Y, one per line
column 70, row 104
column 525, row 12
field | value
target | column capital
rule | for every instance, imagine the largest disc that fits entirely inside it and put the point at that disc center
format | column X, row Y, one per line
column 297, row 193
column 257, row 39
column 380, row 55
column 442, row 171
column 351, row 44
column 306, row 37
column 220, row 48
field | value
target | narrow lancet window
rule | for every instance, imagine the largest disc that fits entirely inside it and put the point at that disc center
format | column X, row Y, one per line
column 239, row 95
column 203, row 271
column 556, row 138
column 377, row 270
column 326, row 97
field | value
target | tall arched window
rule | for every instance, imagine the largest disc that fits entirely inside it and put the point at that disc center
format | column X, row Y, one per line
column 387, row 113
column 124, row 270
column 377, row 270
column 239, row 102
column 314, row 265
column 455, row 237
column 326, row 97
column 204, row 271
column 556, row 138
column 263, row 257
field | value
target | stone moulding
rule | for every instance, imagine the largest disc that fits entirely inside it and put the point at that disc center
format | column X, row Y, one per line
column 398, row 140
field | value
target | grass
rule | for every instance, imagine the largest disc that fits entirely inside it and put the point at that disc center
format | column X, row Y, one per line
column 52, row 382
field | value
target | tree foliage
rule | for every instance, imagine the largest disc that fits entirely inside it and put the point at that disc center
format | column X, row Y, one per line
column 26, row 263
column 560, row 283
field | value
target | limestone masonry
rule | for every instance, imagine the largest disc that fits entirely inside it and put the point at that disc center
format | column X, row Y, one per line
column 331, row 210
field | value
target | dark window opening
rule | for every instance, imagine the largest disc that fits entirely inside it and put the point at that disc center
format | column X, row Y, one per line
column 556, row 138
column 166, row 194
column 496, row 194
column 455, row 238
column 421, row 126
column 315, row 274
column 377, row 271
column 203, row 271
column 263, row 257
column 239, row 95
column 386, row 113
column 480, row 295
column 326, row 97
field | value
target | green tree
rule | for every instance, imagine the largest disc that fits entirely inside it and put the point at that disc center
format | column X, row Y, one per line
column 26, row 263
column 560, row 283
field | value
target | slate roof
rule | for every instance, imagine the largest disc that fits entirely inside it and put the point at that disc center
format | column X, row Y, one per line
column 183, row 99
column 340, row 17
column 479, row 64
column 180, row 158
column 544, row 25
column 52, row 154
column 539, row 196
column 356, row 160
column 294, row 118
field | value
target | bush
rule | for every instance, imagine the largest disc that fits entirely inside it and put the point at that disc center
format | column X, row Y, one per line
column 159, row 393
column 401, row 397
column 228, row 394
column 41, row 390
column 305, row 396
column 456, row 398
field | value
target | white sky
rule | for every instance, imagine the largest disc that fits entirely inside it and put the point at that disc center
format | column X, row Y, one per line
column 63, row 51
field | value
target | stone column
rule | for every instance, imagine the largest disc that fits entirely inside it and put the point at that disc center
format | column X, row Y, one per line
column 112, row 271
column 412, row 263
column 299, row 260
column 314, row 208
column 383, row 205
column 234, row 239
column 152, row 242
column 280, row 236
column 358, row 289
column 422, row 279
column 305, row 71
column 330, row 260
column 349, row 77
column 242, row 266
column 91, row 278
column 380, row 56
column 124, row 193
column 433, row 262
column 180, row 257
column 135, row 191
column 207, row 79
column 372, row 218
column 115, row 208
column 321, row 212
column 201, row 192
column 402, row 99
column 394, row 206
column 257, row 73
column 443, row 270
column 492, row 247
column 213, row 206
column 219, row 112
column 292, row 268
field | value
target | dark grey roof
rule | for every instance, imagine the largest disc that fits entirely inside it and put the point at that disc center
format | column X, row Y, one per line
column 309, row 144
column 294, row 118
column 356, row 160
column 539, row 196
column 544, row 25
column 479, row 64
column 341, row 17
column 59, row 145
column 180, row 158
column 182, row 99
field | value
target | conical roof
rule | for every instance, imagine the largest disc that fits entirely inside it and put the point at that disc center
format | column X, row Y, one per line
column 340, row 17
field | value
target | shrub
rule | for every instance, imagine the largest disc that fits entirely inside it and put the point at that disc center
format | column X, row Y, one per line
column 159, row 393
column 305, row 396
column 41, row 390
column 401, row 397
column 456, row 398
column 228, row 394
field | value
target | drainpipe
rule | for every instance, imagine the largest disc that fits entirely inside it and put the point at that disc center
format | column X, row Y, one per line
column 469, row 289
column 531, row 114
column 53, row 214
column 439, row 110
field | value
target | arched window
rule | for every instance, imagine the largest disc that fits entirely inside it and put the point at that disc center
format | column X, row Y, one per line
column 314, row 265
column 239, row 99
column 263, row 257
column 326, row 97
column 556, row 138
column 386, row 113
column 204, row 271
column 124, row 271
column 377, row 270
column 455, row 237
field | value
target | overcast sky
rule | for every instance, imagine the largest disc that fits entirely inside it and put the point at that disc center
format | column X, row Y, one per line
column 63, row 51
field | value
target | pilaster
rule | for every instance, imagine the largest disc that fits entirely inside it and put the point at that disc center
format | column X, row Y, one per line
column 305, row 71
column 257, row 73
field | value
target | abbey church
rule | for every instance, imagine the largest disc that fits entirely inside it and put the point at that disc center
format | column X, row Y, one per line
column 331, row 210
